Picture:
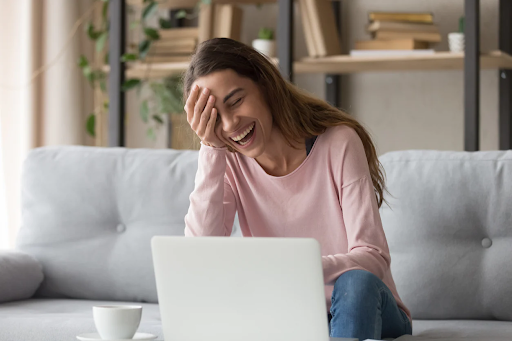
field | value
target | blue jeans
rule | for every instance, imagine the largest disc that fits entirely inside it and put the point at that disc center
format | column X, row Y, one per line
column 363, row 307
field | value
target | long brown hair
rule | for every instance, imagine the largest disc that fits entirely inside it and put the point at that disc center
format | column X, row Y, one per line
column 296, row 113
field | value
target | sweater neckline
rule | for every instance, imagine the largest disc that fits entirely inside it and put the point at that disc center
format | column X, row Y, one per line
column 296, row 170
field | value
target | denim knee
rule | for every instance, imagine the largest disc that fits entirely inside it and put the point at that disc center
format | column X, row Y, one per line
column 355, row 284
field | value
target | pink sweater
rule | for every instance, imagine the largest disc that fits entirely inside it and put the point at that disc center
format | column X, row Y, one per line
column 329, row 197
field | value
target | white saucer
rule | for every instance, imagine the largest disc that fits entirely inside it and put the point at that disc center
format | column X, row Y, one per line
column 96, row 337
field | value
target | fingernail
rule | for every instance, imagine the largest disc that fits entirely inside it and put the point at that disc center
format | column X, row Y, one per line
column 205, row 90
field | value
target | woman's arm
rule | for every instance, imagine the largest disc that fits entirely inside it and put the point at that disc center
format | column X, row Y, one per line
column 367, row 245
column 212, row 203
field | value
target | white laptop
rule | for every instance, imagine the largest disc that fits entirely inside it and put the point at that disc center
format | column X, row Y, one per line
column 240, row 289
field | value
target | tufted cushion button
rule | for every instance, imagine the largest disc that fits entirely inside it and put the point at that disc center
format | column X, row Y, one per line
column 486, row 242
column 121, row 228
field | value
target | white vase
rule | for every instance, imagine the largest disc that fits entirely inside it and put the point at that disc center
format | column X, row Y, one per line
column 265, row 46
column 456, row 41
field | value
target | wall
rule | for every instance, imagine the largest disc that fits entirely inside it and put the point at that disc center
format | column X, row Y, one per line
column 402, row 110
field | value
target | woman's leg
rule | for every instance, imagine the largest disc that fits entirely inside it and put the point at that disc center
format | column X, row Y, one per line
column 363, row 307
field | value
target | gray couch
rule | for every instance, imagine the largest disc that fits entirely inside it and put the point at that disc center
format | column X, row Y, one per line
column 89, row 213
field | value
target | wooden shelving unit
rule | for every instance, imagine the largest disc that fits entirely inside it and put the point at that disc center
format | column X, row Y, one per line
column 471, row 61
column 346, row 64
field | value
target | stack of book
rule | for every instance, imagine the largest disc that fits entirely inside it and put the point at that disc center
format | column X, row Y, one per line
column 174, row 45
column 398, row 33
column 178, row 44
column 322, row 38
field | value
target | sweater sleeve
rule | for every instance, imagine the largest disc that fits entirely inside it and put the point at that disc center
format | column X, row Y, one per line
column 367, row 245
column 212, row 202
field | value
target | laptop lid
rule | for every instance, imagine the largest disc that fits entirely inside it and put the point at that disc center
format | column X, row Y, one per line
column 240, row 289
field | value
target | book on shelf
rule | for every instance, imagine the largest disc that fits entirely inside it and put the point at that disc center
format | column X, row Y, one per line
column 426, row 18
column 178, row 32
column 306, row 25
column 422, row 36
column 392, row 44
column 192, row 41
column 227, row 22
column 323, row 27
column 167, row 58
column 384, row 53
column 401, row 26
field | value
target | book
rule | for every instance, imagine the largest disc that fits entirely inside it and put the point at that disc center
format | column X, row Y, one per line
column 227, row 22
column 167, row 43
column 392, row 44
column 426, row 18
column 205, row 22
column 306, row 25
column 179, row 32
column 167, row 58
column 171, row 50
column 422, row 36
column 401, row 26
column 323, row 27
column 377, row 53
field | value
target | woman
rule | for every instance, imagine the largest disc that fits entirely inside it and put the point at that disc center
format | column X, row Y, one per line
column 292, row 165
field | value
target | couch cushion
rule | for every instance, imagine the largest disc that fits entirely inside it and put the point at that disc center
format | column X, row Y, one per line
column 463, row 329
column 89, row 214
column 449, row 231
column 62, row 319
column 20, row 275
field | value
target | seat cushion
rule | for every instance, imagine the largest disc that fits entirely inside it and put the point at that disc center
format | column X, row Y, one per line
column 62, row 319
column 459, row 330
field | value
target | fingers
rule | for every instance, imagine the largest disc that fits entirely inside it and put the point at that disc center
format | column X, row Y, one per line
column 205, row 117
column 191, row 101
column 199, row 108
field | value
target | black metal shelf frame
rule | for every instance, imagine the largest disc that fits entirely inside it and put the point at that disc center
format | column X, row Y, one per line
column 285, row 27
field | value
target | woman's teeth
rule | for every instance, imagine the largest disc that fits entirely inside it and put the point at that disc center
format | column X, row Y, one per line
column 241, row 136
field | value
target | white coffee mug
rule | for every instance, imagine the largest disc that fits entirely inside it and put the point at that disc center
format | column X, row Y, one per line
column 117, row 321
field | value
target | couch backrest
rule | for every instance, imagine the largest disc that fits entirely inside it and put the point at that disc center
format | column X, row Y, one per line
column 88, row 215
column 449, row 231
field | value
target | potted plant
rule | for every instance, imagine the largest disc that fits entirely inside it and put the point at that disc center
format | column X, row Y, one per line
column 456, row 39
column 265, row 43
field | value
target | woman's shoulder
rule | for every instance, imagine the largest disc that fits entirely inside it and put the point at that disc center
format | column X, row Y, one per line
column 340, row 136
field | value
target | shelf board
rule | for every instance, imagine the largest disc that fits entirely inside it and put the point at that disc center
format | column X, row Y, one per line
column 437, row 61
column 192, row 3
column 346, row 64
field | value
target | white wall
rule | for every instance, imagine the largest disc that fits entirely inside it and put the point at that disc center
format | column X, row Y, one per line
column 402, row 110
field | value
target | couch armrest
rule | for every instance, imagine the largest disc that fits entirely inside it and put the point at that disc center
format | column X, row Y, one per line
column 20, row 275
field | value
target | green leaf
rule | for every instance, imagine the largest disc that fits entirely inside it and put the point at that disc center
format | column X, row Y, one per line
column 151, row 134
column 164, row 23
column 103, row 85
column 91, row 32
column 82, row 62
column 144, row 48
column 206, row 2
column 149, row 9
column 105, row 105
column 144, row 111
column 100, row 43
column 266, row 33
column 130, row 84
column 158, row 119
column 151, row 33
column 104, row 11
column 90, row 125
column 128, row 57
column 106, row 58
column 181, row 14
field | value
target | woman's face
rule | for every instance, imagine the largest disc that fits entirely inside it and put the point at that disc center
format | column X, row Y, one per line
column 240, row 106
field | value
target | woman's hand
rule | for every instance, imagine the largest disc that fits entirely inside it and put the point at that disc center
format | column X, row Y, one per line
column 202, row 118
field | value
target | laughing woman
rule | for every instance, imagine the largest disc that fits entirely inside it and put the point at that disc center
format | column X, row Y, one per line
column 292, row 165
